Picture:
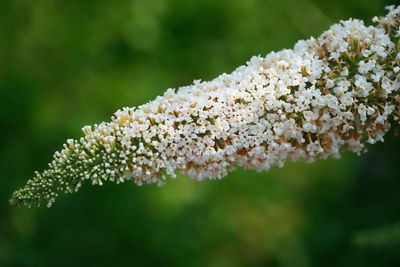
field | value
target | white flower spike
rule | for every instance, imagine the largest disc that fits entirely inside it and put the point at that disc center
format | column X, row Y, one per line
column 329, row 94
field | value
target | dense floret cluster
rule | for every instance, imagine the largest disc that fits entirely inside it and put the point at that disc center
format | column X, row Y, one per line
column 329, row 94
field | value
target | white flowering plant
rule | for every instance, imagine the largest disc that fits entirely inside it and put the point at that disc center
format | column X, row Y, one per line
column 328, row 94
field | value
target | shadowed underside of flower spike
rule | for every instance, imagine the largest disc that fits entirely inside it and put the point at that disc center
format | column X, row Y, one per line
column 329, row 94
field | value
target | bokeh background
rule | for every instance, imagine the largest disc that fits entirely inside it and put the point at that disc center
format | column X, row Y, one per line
column 68, row 63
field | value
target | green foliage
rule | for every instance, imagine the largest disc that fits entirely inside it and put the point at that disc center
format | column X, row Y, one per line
column 387, row 236
column 65, row 64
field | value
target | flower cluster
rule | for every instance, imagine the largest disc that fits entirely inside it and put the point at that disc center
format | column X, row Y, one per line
column 328, row 94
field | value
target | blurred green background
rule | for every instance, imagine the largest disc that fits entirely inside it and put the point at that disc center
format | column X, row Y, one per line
column 68, row 63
